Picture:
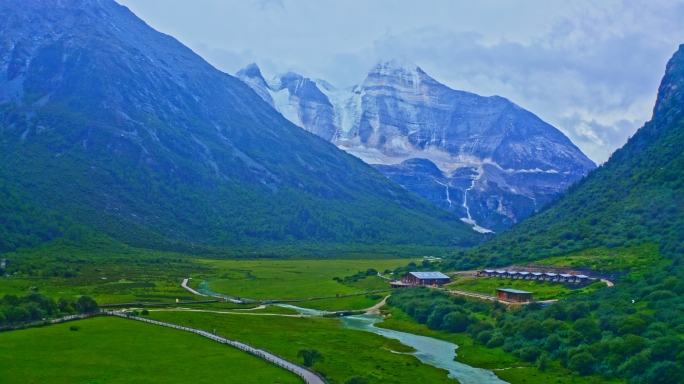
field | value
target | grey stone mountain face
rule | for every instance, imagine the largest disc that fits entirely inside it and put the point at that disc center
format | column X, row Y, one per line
column 484, row 158
column 131, row 132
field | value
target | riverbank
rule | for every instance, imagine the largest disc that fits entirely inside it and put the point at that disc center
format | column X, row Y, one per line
column 504, row 365
column 348, row 353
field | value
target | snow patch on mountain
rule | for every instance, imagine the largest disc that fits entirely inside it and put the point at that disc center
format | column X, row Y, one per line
column 283, row 104
column 510, row 159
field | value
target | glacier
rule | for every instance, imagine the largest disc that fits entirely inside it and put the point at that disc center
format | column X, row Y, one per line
column 502, row 160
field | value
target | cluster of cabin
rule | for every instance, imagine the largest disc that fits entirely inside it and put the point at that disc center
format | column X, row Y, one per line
column 413, row 279
column 542, row 276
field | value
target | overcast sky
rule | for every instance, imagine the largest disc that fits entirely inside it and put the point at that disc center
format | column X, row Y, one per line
column 590, row 68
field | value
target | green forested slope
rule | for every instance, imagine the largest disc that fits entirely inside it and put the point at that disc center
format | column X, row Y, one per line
column 128, row 132
column 631, row 331
column 637, row 196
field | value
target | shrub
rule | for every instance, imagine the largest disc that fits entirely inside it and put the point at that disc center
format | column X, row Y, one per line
column 532, row 329
column 664, row 372
column 310, row 356
column 484, row 337
column 631, row 324
column 145, row 312
column 497, row 340
column 530, row 353
column 74, row 328
column 543, row 361
column 589, row 328
column 583, row 363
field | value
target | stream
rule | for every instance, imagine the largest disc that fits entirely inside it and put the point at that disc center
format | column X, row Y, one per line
column 431, row 351
column 437, row 353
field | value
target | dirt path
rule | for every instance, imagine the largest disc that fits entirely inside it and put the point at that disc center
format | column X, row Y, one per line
column 375, row 310
column 608, row 282
column 185, row 285
column 493, row 298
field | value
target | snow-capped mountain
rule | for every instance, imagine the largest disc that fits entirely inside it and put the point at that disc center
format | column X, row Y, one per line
column 485, row 158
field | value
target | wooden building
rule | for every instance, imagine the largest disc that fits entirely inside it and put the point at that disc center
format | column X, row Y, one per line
column 513, row 295
column 425, row 278
column 581, row 278
column 566, row 277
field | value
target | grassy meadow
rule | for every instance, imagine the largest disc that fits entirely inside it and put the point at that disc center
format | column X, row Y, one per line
column 295, row 279
column 348, row 353
column 543, row 290
column 351, row 303
column 107, row 349
column 121, row 274
column 603, row 259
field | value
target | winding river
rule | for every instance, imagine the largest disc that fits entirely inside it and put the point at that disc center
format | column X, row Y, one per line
column 437, row 353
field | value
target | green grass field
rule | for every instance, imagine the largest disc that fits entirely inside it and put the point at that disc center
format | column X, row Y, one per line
column 104, row 292
column 296, row 279
column 348, row 353
column 604, row 259
column 505, row 365
column 543, row 290
column 351, row 303
column 156, row 277
column 118, row 350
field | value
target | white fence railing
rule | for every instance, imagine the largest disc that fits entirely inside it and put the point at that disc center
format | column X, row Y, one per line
column 308, row 376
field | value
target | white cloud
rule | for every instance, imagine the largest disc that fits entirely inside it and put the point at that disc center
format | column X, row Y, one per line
column 590, row 68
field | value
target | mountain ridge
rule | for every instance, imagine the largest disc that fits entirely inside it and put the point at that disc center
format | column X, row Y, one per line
column 131, row 133
column 637, row 196
column 399, row 113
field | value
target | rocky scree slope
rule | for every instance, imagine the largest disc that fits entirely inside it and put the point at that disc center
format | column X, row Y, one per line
column 129, row 132
column 497, row 163
column 637, row 196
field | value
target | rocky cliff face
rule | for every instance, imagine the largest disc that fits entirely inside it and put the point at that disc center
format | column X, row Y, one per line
column 131, row 133
column 497, row 162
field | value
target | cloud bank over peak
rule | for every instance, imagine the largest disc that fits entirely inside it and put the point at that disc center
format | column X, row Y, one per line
column 590, row 69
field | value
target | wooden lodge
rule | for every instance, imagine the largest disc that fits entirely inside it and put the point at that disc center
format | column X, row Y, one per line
column 425, row 278
column 513, row 295
column 581, row 278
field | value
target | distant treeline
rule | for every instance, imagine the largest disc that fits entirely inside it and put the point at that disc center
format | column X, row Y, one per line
column 34, row 307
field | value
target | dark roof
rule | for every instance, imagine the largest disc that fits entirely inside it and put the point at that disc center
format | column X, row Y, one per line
column 512, row 290
column 429, row 275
